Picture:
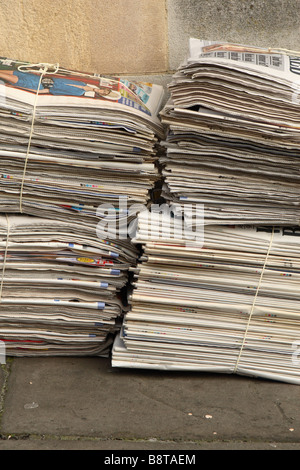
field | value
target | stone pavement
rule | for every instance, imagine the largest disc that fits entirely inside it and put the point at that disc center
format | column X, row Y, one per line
column 84, row 403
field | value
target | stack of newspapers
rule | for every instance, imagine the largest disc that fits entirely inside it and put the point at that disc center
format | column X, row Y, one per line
column 78, row 158
column 61, row 287
column 71, row 142
column 233, row 140
column 226, row 301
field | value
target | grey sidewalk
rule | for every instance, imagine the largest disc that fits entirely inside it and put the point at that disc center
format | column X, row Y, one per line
column 84, row 403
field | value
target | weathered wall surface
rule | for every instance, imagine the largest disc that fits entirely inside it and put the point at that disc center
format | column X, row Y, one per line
column 128, row 36
column 138, row 37
column 266, row 23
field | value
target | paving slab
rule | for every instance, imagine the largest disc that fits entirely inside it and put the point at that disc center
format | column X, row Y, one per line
column 86, row 397
column 4, row 373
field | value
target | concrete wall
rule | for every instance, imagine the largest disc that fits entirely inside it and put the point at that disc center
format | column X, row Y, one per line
column 267, row 23
column 138, row 37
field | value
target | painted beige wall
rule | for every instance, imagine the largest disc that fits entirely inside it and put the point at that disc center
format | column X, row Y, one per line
column 105, row 36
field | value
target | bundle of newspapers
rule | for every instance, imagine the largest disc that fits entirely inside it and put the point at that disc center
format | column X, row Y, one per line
column 226, row 301
column 77, row 151
column 233, row 140
column 73, row 141
column 61, row 287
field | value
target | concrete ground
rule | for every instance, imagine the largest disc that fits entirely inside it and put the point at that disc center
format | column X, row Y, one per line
column 84, row 403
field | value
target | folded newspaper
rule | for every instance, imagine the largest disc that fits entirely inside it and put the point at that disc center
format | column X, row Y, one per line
column 233, row 140
column 229, row 304
column 61, row 287
column 71, row 141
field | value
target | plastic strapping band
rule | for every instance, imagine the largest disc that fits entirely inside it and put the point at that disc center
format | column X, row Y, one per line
column 43, row 70
column 5, row 256
column 254, row 300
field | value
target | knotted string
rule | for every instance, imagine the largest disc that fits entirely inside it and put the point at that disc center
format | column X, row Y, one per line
column 44, row 68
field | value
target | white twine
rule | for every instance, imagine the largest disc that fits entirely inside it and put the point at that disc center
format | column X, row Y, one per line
column 254, row 300
column 5, row 256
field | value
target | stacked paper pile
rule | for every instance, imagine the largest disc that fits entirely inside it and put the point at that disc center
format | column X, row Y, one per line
column 60, row 287
column 233, row 138
column 223, row 299
column 72, row 141
column 77, row 151
column 229, row 305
